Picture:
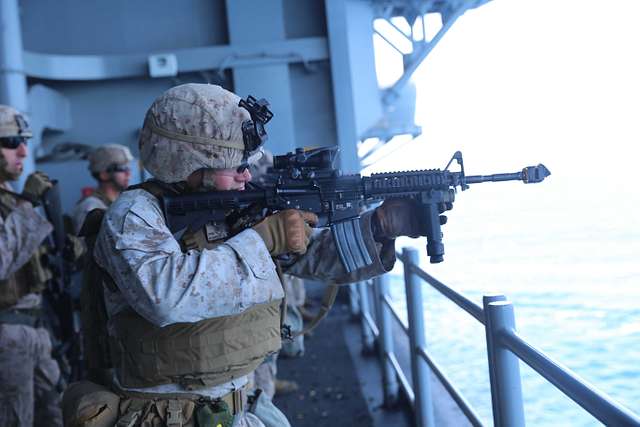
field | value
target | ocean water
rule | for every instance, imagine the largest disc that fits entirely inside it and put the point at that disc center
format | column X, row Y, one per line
column 571, row 270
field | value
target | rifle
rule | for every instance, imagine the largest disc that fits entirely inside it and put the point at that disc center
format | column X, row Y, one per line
column 306, row 180
column 60, row 308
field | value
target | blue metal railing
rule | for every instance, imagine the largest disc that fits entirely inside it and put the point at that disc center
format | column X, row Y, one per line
column 505, row 349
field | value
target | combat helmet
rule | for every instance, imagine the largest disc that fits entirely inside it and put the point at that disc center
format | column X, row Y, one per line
column 201, row 126
column 13, row 124
column 14, row 130
column 108, row 158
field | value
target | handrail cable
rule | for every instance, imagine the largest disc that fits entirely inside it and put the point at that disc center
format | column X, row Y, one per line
column 465, row 407
column 404, row 382
column 396, row 315
column 372, row 325
column 461, row 301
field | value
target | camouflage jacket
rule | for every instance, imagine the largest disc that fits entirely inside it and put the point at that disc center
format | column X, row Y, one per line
column 166, row 285
column 22, row 231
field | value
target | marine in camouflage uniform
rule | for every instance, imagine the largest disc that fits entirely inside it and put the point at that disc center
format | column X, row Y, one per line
column 192, row 314
column 28, row 374
column 109, row 165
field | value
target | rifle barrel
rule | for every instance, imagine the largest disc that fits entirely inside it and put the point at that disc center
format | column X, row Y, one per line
column 475, row 179
column 529, row 175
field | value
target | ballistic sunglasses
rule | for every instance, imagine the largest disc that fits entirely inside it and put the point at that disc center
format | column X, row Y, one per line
column 118, row 168
column 12, row 142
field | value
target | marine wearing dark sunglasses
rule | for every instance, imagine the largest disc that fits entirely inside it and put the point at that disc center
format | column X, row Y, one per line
column 12, row 142
column 25, row 357
column 109, row 164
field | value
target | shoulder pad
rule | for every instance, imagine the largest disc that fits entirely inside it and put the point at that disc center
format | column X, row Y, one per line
column 91, row 225
column 157, row 188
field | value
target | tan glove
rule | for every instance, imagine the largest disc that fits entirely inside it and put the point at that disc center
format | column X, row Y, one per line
column 37, row 184
column 286, row 231
column 398, row 217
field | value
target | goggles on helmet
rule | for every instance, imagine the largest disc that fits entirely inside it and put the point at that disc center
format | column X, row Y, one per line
column 12, row 142
column 253, row 133
column 118, row 168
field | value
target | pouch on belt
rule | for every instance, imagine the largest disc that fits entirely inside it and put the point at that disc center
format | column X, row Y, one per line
column 86, row 404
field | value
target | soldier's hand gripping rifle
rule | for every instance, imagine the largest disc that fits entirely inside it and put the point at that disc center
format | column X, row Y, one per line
column 306, row 180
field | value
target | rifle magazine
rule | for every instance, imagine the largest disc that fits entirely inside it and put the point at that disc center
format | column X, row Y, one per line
column 350, row 244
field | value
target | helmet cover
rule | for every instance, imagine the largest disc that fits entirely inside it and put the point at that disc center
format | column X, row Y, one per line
column 191, row 127
column 105, row 156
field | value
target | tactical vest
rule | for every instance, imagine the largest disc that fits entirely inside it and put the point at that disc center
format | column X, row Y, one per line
column 31, row 277
column 195, row 355
column 98, row 195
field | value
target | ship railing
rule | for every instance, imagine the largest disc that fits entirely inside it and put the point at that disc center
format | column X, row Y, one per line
column 505, row 349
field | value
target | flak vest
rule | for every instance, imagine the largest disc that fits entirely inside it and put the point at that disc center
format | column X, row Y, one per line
column 31, row 277
column 195, row 355
column 98, row 195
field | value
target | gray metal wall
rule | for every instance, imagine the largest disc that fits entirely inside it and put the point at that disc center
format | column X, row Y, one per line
column 88, row 65
column 61, row 38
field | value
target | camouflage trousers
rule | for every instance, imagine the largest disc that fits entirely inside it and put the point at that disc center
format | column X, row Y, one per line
column 28, row 378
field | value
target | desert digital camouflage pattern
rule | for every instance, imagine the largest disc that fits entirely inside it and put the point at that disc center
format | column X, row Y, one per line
column 107, row 155
column 208, row 113
column 13, row 123
column 28, row 374
column 28, row 378
column 188, row 128
column 167, row 286
column 22, row 231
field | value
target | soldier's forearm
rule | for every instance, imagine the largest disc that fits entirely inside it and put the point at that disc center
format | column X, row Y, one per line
column 322, row 262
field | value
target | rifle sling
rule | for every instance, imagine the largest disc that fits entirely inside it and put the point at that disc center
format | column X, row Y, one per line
column 328, row 300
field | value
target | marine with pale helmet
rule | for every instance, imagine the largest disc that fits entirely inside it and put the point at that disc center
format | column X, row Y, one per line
column 29, row 376
column 110, row 166
column 190, row 315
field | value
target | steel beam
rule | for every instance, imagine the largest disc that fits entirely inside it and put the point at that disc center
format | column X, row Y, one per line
column 106, row 67
column 254, row 22
column 355, row 86
column 13, row 82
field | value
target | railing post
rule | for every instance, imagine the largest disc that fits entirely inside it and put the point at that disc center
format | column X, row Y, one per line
column 367, row 334
column 385, row 344
column 419, row 368
column 504, row 368
column 353, row 300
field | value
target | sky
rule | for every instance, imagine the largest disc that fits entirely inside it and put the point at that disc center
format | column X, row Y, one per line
column 521, row 82
column 524, row 80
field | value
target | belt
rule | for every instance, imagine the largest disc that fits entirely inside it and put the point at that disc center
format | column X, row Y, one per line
column 236, row 400
column 28, row 317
